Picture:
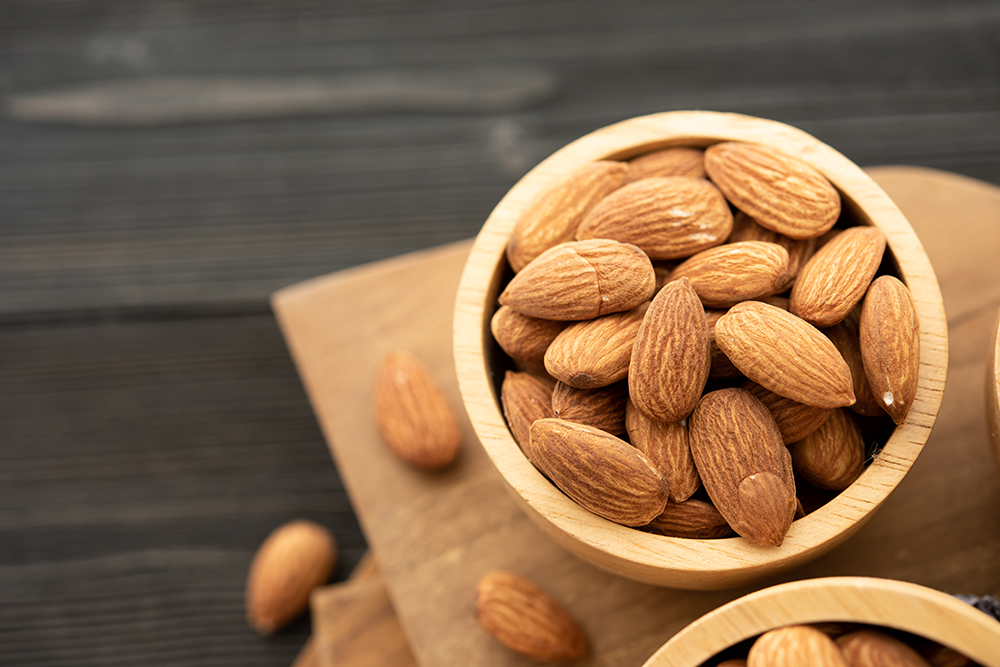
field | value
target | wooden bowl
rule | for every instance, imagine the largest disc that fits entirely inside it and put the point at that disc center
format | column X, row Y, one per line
column 675, row 562
column 890, row 604
column 993, row 392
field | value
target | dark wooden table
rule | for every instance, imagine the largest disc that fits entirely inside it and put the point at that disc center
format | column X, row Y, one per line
column 153, row 427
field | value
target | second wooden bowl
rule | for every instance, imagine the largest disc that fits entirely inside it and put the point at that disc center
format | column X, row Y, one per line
column 675, row 562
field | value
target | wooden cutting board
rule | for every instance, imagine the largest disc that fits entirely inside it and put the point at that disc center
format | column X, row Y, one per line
column 435, row 535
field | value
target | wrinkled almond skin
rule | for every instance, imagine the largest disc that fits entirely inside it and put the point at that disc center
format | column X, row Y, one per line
column 743, row 464
column 670, row 358
column 582, row 280
column 667, row 217
column 870, row 648
column 603, row 474
column 735, row 272
column 846, row 337
column 666, row 446
column 785, row 354
column 795, row 646
column 556, row 213
column 602, row 408
column 524, row 339
column 721, row 367
column 835, row 279
column 691, row 519
column 526, row 619
column 832, row 456
column 795, row 420
column 668, row 162
column 525, row 399
column 799, row 251
column 595, row 353
column 890, row 345
column 781, row 193
column 413, row 414
column 293, row 560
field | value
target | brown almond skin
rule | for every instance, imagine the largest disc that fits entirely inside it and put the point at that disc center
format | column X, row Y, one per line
column 294, row 559
column 743, row 464
column 781, row 193
column 667, row 217
column 795, row 646
column 670, row 358
column 553, row 217
column 835, row 279
column 721, row 366
column 525, row 399
column 595, row 353
column 846, row 337
column 870, row 648
column 668, row 162
column 890, row 345
column 690, row 519
column 413, row 414
column 795, row 420
column 582, row 280
column 735, row 272
column 832, row 456
column 665, row 444
column 603, row 474
column 524, row 339
column 799, row 251
column 526, row 619
column 602, row 408
column 785, row 354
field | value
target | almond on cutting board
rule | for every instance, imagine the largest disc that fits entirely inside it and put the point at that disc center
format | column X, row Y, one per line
column 581, row 280
column 666, row 446
column 554, row 215
column 734, row 272
column 781, row 193
column 595, row 353
column 890, row 345
column 413, row 414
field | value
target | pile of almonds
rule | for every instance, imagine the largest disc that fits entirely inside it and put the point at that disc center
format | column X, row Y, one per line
column 701, row 319
column 840, row 645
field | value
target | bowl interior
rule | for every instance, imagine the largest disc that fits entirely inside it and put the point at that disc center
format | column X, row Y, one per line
column 686, row 563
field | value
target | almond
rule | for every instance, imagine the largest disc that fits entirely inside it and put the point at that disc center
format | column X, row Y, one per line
column 691, row 519
column 832, row 456
column 743, row 464
column 524, row 339
column 667, row 217
column 670, row 358
column 833, row 281
column 799, row 251
column 785, row 354
column 293, row 560
column 779, row 192
column 845, row 336
column 666, row 446
column 525, row 399
column 557, row 211
column 795, row 420
column 870, row 648
column 582, row 280
column 721, row 367
column 526, row 619
column 890, row 345
column 595, row 353
column 795, row 646
column 668, row 162
column 602, row 408
column 413, row 414
column 735, row 272
column 601, row 473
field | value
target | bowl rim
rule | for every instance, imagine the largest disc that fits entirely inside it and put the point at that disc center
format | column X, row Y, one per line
column 679, row 562
column 887, row 603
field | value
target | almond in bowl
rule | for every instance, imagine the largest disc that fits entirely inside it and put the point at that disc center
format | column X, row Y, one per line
column 731, row 320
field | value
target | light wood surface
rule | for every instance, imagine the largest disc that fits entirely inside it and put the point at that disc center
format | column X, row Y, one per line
column 435, row 535
column 892, row 604
column 685, row 563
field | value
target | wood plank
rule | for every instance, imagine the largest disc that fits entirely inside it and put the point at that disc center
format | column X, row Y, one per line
column 436, row 535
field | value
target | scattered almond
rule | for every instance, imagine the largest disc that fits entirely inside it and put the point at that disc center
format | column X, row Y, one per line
column 602, row 408
column 666, row 446
column 413, row 414
column 680, row 161
column 525, row 400
column 795, row 646
column 595, row 353
column 526, row 619
column 294, row 559
column 890, row 345
column 832, row 456
column 735, row 272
